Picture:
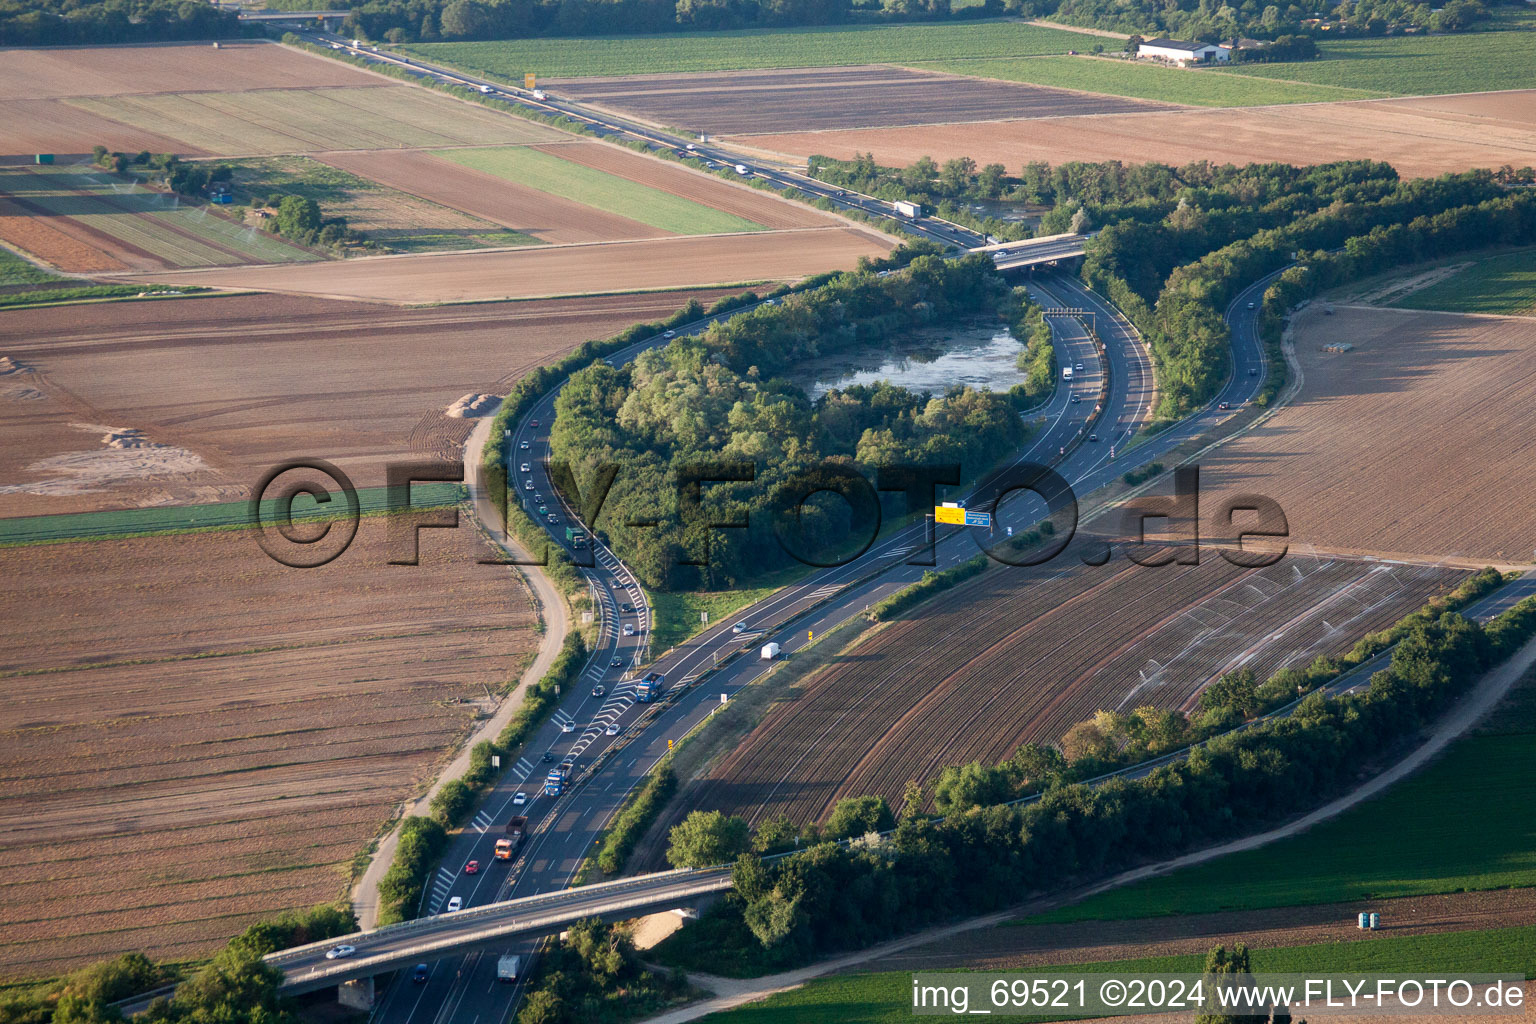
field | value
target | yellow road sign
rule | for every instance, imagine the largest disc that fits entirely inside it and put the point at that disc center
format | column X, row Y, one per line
column 530, row 81
column 946, row 514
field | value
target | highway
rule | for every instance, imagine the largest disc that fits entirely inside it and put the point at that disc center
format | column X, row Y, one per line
column 1079, row 439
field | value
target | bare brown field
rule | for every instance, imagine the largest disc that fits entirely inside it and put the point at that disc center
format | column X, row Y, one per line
column 54, row 72
column 76, row 252
column 281, row 121
column 1414, row 443
column 814, row 99
column 231, row 385
column 545, row 216
column 1516, row 107
column 1019, row 656
column 212, row 737
column 763, row 207
column 1417, row 140
column 691, row 262
column 53, row 126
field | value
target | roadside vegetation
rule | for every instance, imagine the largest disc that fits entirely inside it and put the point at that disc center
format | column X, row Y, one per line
column 767, row 442
column 233, row 987
column 592, row 975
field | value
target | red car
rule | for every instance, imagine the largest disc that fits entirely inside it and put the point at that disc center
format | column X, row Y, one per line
column 472, row 868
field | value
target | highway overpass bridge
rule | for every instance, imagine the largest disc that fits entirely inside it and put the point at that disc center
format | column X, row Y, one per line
column 1035, row 252
column 488, row 927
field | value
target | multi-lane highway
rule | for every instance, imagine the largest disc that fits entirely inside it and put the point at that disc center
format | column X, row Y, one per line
column 464, row 987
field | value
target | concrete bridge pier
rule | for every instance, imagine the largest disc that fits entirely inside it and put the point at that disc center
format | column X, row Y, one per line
column 356, row 995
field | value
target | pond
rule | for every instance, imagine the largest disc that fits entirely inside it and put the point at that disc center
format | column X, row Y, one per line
column 982, row 356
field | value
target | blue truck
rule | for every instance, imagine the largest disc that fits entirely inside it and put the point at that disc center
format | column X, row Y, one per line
column 649, row 688
column 554, row 782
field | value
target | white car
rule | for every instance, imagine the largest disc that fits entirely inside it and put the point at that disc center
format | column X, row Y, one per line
column 1078, row 367
column 523, row 446
column 526, row 468
column 629, row 630
column 612, row 730
column 527, row 485
column 340, row 952
column 567, row 726
column 1250, row 305
column 455, row 903
column 740, row 627
column 670, row 334
column 519, row 798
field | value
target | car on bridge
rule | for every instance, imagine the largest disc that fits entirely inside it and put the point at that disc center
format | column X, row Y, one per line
column 340, row 952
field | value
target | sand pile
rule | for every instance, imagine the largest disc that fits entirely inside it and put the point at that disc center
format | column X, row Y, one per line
column 127, row 438
column 9, row 365
column 472, row 406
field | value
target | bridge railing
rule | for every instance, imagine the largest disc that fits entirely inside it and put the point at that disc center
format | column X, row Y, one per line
column 451, row 922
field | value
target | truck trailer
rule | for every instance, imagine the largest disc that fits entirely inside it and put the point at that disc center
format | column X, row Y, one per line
column 507, row 967
column 507, row 847
column 912, row 211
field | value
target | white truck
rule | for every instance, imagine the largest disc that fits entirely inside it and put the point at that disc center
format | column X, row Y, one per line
column 912, row 211
column 1066, row 373
column 770, row 651
column 540, row 94
column 743, row 169
column 507, row 967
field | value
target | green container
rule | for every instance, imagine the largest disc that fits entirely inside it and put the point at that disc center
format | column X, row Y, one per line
column 45, row 158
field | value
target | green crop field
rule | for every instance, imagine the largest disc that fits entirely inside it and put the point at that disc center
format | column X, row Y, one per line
column 539, row 170
column 1500, row 284
column 389, row 217
column 160, row 224
column 1468, row 821
column 1146, row 81
column 752, row 48
column 14, row 270
column 1415, row 65
column 885, row 997
column 141, row 522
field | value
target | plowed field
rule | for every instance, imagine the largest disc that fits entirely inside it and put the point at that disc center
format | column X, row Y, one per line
column 812, row 99
column 1018, row 656
column 562, row 270
column 243, row 382
column 197, row 736
column 1414, row 136
column 1413, row 443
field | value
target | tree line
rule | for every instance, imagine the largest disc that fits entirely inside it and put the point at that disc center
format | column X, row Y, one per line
column 721, row 397
column 79, row 22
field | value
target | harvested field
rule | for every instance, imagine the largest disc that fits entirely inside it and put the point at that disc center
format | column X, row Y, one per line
column 544, row 216
column 278, row 121
column 1019, row 656
column 58, row 71
column 803, row 99
column 1436, row 411
column 53, row 126
column 765, row 208
column 561, row 270
column 20, row 228
column 135, row 225
column 243, row 382
column 1418, row 142
column 223, row 745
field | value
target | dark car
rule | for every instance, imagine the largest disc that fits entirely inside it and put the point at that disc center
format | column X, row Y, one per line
column 420, row 974
column 626, row 607
column 548, row 757
column 1093, row 437
column 1253, row 371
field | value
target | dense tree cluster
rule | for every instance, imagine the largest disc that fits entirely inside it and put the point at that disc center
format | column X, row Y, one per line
column 1208, row 20
column 60, row 22
column 719, row 398
column 592, row 976
column 986, row 854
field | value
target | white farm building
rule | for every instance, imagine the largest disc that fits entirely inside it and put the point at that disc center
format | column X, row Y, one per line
column 1176, row 52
